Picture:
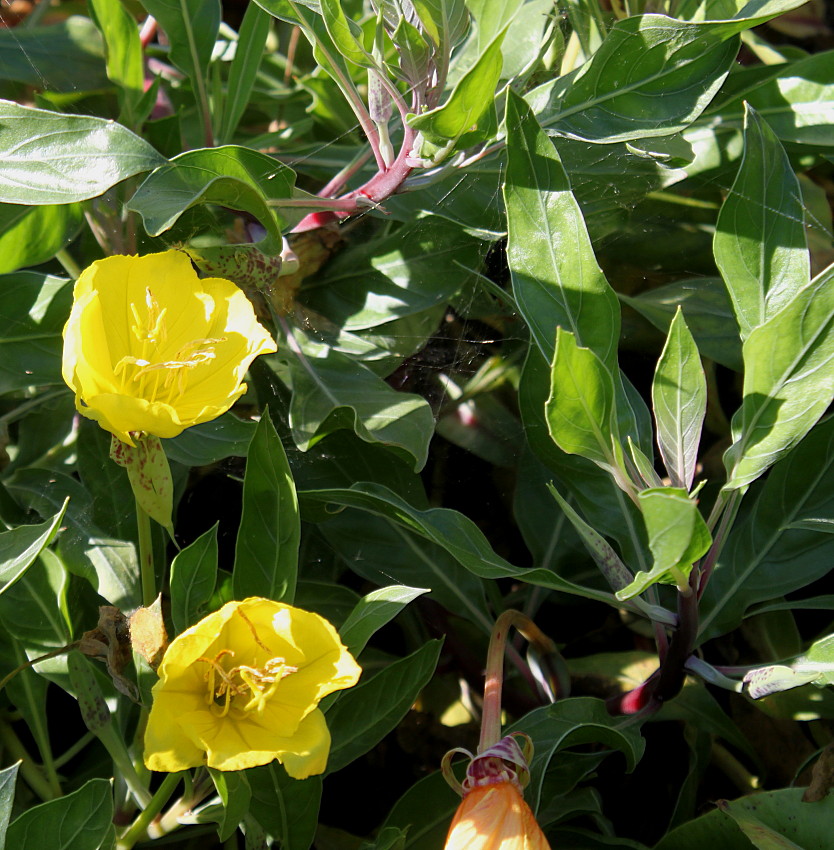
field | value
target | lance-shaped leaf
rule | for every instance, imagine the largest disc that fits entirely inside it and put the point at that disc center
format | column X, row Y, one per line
column 788, row 381
column 52, row 158
column 580, row 411
column 678, row 536
column 652, row 76
column 32, row 235
column 679, row 398
column 20, row 546
column 773, row 550
column 555, row 276
column 469, row 111
column 266, row 552
column 374, row 611
column 191, row 27
column 760, row 244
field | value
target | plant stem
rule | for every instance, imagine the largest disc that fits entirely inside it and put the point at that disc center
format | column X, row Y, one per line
column 46, row 788
column 70, row 266
column 143, row 524
column 491, row 714
column 139, row 828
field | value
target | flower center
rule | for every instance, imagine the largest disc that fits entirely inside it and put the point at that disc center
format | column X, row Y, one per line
column 254, row 685
column 159, row 380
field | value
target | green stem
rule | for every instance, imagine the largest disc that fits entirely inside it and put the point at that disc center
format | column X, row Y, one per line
column 143, row 524
column 47, row 788
column 117, row 750
column 63, row 257
column 74, row 750
column 139, row 828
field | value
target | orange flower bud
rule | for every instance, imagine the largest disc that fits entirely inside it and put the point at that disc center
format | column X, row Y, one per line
column 495, row 817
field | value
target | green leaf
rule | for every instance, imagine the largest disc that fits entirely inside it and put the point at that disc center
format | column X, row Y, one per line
column 652, row 76
column 51, row 158
column 373, row 611
column 573, row 722
column 788, row 381
column 235, row 795
column 708, row 311
column 615, row 571
column 379, row 280
column 193, row 578
column 20, row 546
column 769, row 820
column 82, row 820
column 266, row 553
column 760, row 244
column 32, row 235
column 210, row 442
column 678, row 536
column 679, row 399
column 249, row 50
column 333, row 391
column 445, row 22
column 797, row 101
column 580, row 411
column 191, row 27
column 109, row 565
column 453, row 531
column 424, row 811
column 33, row 310
column 346, row 34
column 769, row 554
column 8, row 782
column 124, row 55
column 230, row 176
column 382, row 551
column 366, row 713
column 469, row 111
column 287, row 808
column 555, row 276
column 40, row 56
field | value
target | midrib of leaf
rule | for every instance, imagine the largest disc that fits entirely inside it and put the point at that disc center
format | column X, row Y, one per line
column 542, row 207
column 766, row 547
column 407, row 539
column 626, row 89
column 202, row 95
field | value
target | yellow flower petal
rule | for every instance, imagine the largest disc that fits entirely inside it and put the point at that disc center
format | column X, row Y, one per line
column 495, row 817
column 149, row 347
column 241, row 688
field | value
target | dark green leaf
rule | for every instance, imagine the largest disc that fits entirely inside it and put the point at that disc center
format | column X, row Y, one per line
column 287, row 808
column 210, row 442
column 266, row 553
column 82, row 820
column 193, row 578
column 50, row 158
column 235, row 794
column 766, row 556
column 331, row 390
column 365, row 714
column 40, row 56
column 33, row 310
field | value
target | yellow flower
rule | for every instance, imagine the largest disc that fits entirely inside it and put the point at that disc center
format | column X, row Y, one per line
column 495, row 817
column 149, row 347
column 241, row 688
